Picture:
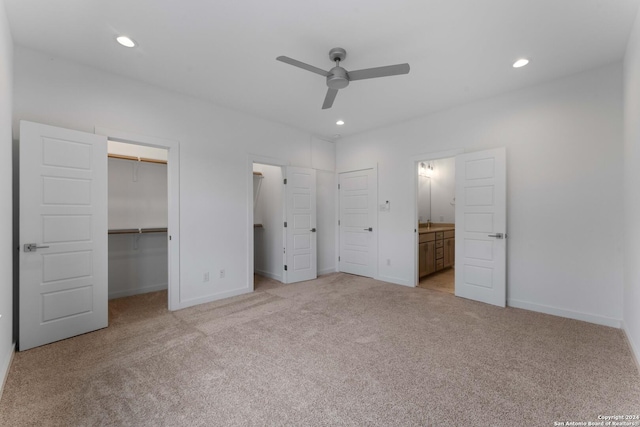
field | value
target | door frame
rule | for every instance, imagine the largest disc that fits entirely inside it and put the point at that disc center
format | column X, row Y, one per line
column 374, row 167
column 264, row 160
column 173, row 200
column 415, row 161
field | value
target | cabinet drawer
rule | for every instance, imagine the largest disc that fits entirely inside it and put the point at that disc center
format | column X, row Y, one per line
column 439, row 243
column 439, row 264
column 439, row 235
column 427, row 237
column 449, row 234
column 439, row 253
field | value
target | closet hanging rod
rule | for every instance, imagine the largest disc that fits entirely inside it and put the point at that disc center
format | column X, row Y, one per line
column 137, row 230
column 137, row 159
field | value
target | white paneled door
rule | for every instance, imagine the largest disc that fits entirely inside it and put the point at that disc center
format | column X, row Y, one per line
column 358, row 221
column 300, row 230
column 63, row 234
column 481, row 226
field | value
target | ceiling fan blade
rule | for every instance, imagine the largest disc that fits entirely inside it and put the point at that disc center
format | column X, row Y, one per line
column 328, row 100
column 302, row 65
column 370, row 73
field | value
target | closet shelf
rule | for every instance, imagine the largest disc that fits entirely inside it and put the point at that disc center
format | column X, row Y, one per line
column 137, row 159
column 137, row 230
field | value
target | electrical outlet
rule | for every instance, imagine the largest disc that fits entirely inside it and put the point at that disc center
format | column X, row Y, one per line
column 441, row 218
column 222, row 273
column 206, row 277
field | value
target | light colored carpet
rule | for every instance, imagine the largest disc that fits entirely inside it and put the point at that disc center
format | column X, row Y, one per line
column 443, row 281
column 340, row 350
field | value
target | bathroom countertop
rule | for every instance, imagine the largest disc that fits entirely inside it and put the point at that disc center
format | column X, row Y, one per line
column 435, row 228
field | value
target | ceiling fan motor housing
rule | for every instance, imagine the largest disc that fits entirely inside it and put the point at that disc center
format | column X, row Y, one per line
column 337, row 78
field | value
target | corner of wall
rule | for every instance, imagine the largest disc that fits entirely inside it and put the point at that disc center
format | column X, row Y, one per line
column 635, row 350
column 4, row 368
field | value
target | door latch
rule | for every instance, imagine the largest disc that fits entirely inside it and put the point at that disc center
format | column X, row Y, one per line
column 32, row 247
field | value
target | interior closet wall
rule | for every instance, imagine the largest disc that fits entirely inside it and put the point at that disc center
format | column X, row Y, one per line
column 137, row 200
column 268, row 243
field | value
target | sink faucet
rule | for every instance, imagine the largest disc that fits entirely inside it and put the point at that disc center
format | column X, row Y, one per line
column 428, row 224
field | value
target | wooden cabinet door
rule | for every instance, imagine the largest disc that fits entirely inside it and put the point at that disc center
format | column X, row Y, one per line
column 430, row 257
column 452, row 252
column 422, row 259
column 447, row 253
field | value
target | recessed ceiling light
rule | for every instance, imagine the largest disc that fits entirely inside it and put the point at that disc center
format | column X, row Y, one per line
column 340, row 122
column 125, row 41
column 520, row 63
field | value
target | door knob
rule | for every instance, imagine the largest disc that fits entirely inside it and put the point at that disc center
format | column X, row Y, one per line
column 313, row 230
column 497, row 235
column 368, row 229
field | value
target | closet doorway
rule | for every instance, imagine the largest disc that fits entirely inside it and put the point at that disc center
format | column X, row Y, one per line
column 268, row 225
column 172, row 236
column 138, row 219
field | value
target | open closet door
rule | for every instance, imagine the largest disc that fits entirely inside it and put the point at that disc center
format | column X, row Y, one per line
column 300, row 225
column 481, row 224
column 63, row 234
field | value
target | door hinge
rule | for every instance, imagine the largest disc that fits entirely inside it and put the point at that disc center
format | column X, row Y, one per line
column 338, row 222
column 338, row 186
column 285, row 268
column 285, row 224
column 285, row 181
column 338, row 259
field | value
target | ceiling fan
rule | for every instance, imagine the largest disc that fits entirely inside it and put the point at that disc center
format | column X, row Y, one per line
column 339, row 78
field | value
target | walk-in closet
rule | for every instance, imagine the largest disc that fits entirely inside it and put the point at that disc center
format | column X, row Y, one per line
column 268, row 205
column 138, row 205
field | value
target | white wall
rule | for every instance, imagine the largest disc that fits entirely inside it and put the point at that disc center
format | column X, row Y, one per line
column 138, row 263
column 564, row 150
column 443, row 190
column 6, row 225
column 424, row 198
column 268, row 258
column 631, row 294
column 215, row 144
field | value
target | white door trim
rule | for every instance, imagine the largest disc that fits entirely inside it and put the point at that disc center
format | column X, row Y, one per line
column 265, row 160
column 415, row 160
column 374, row 167
column 173, row 195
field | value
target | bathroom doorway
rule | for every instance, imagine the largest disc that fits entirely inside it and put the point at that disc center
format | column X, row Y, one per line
column 435, row 214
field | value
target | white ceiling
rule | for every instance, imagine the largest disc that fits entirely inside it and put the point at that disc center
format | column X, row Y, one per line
column 224, row 50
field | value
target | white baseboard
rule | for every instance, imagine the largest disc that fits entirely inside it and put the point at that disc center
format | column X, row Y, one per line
column 5, row 366
column 396, row 281
column 215, row 297
column 137, row 291
column 326, row 271
column 269, row 275
column 570, row 314
column 635, row 350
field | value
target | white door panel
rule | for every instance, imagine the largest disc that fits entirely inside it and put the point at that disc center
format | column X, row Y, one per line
column 481, row 223
column 63, row 210
column 300, row 232
column 358, row 242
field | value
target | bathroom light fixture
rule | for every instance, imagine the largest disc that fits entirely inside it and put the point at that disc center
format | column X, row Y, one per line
column 425, row 169
column 340, row 122
column 125, row 41
column 520, row 63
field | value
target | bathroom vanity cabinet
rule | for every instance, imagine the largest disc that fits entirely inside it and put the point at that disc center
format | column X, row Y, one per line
column 436, row 249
